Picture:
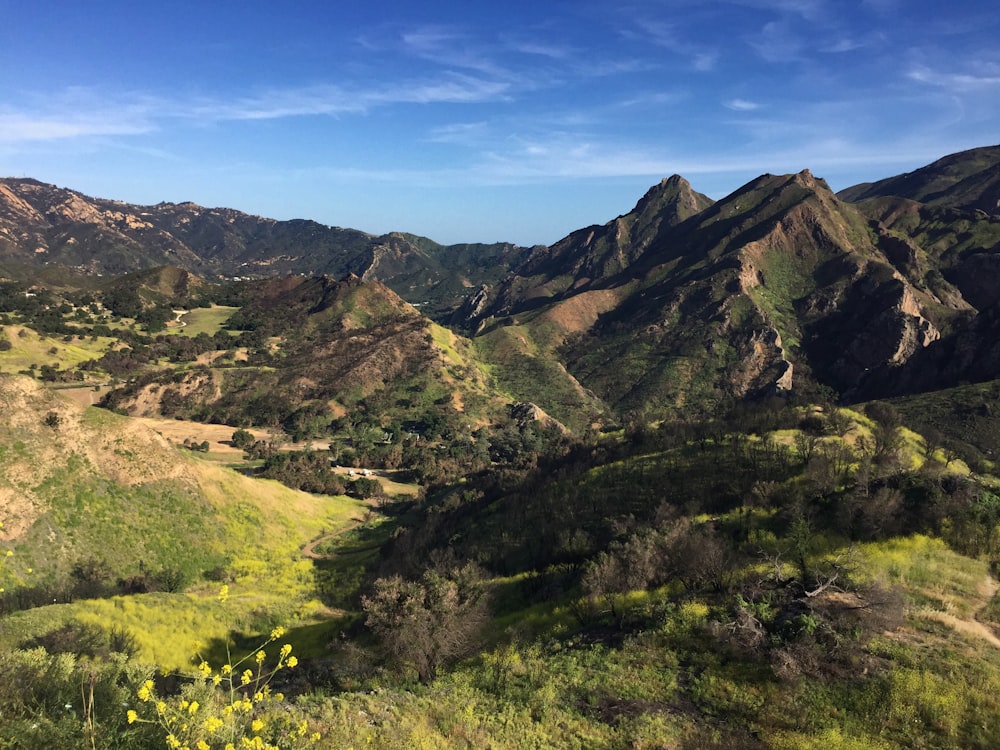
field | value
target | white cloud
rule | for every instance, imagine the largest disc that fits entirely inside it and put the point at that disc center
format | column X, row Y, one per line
column 29, row 127
column 741, row 105
column 987, row 78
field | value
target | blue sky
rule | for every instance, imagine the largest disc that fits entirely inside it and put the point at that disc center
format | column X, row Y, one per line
column 467, row 122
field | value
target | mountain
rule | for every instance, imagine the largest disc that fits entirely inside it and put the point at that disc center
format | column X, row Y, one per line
column 681, row 304
column 321, row 349
column 45, row 224
column 778, row 287
column 968, row 180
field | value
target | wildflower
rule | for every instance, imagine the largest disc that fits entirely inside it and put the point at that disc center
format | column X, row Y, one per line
column 193, row 708
column 256, row 726
column 173, row 742
column 146, row 691
column 227, row 669
column 133, row 717
column 202, row 745
column 277, row 633
column 246, row 677
column 286, row 650
column 223, row 593
column 217, row 680
column 213, row 724
column 205, row 669
column 260, row 656
column 292, row 661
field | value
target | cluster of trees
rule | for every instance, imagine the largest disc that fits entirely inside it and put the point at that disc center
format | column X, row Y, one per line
column 92, row 579
column 693, row 507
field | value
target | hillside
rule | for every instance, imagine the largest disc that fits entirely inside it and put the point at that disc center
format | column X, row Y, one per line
column 321, row 350
column 44, row 224
column 89, row 498
column 968, row 180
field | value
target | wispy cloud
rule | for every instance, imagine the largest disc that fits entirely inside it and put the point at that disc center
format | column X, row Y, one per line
column 668, row 35
column 465, row 133
column 741, row 105
column 76, row 113
column 811, row 10
column 777, row 42
column 79, row 114
column 16, row 127
column 987, row 77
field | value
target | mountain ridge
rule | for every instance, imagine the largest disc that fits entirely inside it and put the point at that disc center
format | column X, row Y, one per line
column 683, row 302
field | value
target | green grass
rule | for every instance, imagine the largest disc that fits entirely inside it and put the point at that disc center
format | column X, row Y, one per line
column 30, row 348
column 207, row 320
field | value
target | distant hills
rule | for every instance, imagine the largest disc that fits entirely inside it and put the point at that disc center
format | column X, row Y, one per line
column 45, row 224
column 681, row 304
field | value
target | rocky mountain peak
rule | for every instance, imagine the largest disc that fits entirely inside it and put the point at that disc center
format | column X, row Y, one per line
column 672, row 200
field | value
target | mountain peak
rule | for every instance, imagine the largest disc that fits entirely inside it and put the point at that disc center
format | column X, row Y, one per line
column 674, row 196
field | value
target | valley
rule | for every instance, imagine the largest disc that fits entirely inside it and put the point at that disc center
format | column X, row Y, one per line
column 713, row 474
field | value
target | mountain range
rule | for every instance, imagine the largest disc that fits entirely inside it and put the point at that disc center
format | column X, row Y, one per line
column 683, row 303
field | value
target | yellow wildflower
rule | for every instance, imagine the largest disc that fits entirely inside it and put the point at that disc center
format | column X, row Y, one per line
column 256, row 726
column 133, row 717
column 277, row 633
column 292, row 661
column 146, row 691
column 286, row 650
column 247, row 676
column 223, row 593
column 213, row 724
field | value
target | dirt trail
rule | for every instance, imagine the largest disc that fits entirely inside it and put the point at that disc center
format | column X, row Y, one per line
column 970, row 627
column 310, row 549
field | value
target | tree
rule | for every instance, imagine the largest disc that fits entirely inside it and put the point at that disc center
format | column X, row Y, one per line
column 242, row 439
column 428, row 622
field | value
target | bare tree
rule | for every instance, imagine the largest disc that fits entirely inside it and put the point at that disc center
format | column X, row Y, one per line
column 428, row 622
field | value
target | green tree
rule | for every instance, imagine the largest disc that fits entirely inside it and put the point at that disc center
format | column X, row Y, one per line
column 242, row 439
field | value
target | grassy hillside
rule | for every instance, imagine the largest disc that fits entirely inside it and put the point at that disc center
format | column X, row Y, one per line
column 92, row 500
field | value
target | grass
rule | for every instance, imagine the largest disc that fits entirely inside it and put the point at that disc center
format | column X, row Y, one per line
column 30, row 348
column 207, row 320
column 933, row 574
